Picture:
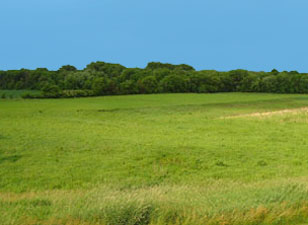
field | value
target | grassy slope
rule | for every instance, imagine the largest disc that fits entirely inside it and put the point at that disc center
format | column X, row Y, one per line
column 154, row 159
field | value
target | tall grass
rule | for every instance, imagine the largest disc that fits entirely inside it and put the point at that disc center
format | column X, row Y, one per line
column 277, row 202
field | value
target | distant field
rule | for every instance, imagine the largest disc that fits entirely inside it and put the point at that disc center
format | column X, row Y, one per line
column 15, row 93
column 193, row 159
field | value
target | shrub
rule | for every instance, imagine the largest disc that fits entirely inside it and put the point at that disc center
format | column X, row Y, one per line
column 30, row 95
column 51, row 91
column 3, row 95
column 76, row 93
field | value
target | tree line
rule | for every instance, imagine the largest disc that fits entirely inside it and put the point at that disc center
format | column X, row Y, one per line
column 100, row 78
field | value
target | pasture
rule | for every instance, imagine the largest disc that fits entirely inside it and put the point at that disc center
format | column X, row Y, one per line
column 226, row 158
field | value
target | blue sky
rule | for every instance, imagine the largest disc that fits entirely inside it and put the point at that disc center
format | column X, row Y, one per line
column 207, row 34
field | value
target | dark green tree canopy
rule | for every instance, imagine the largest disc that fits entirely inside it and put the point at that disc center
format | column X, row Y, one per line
column 101, row 78
column 158, row 65
column 111, row 70
column 67, row 68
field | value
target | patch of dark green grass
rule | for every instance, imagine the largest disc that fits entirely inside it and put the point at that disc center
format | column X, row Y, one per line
column 12, row 158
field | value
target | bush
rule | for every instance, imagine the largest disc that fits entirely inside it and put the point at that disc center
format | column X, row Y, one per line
column 51, row 91
column 30, row 95
column 3, row 96
column 76, row 93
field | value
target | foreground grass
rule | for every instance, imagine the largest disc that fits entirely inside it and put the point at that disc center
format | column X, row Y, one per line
column 155, row 159
column 218, row 202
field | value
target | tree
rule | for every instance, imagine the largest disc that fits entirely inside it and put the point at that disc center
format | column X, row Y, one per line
column 67, row 68
column 268, row 84
column 128, row 87
column 100, row 86
column 100, row 78
column 148, row 85
column 159, row 65
column 104, row 86
column 77, row 80
column 174, row 84
column 236, row 77
column 248, row 83
column 110, row 69
column 274, row 72
column 204, row 82
column 303, row 86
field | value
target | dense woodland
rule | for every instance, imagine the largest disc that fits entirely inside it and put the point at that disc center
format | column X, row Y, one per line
column 102, row 78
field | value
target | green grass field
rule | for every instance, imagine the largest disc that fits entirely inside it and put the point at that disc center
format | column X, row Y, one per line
column 233, row 158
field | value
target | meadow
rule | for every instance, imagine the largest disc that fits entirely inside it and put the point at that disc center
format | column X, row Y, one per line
column 224, row 158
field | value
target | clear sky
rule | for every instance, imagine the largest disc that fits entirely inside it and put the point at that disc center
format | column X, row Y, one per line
column 207, row 34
